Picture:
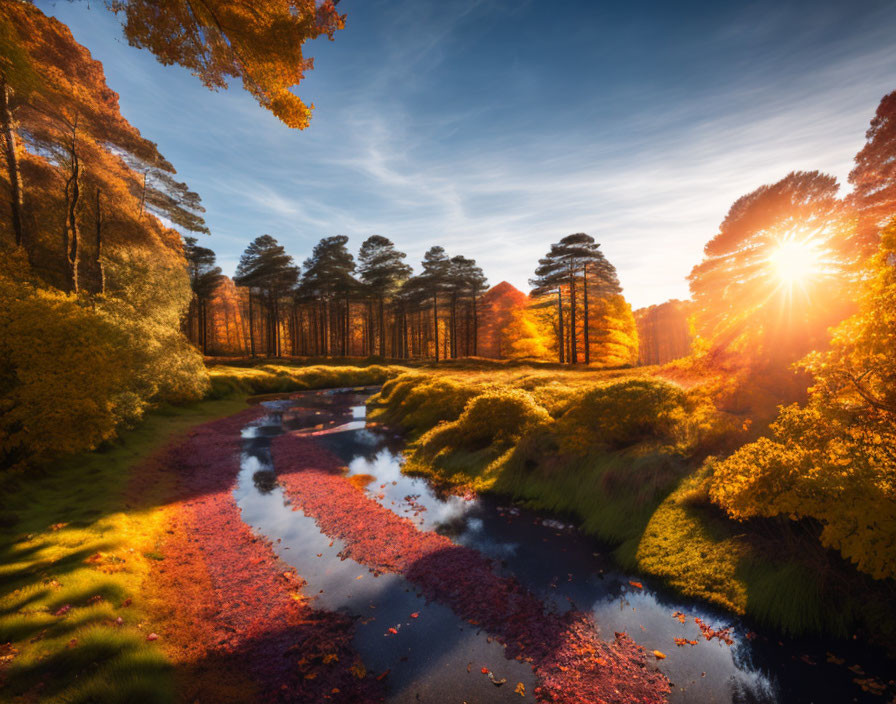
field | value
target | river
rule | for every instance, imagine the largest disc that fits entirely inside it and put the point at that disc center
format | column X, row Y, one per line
column 435, row 657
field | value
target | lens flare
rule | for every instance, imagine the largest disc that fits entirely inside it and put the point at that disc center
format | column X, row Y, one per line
column 795, row 262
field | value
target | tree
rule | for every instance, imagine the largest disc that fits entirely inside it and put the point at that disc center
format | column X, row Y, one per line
column 763, row 289
column 664, row 333
column 575, row 263
column 465, row 283
column 382, row 271
column 205, row 277
column 79, row 142
column 499, row 306
column 433, row 283
column 268, row 272
column 327, row 278
column 258, row 43
column 834, row 459
column 874, row 176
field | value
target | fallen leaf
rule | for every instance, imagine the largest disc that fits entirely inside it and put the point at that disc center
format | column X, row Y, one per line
column 393, row 631
column 152, row 636
column 382, row 676
column 484, row 670
column 637, row 585
column 415, row 615
column 520, row 689
column 659, row 655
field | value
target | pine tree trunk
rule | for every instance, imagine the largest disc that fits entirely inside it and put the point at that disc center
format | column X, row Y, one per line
column 561, row 333
column 17, row 202
column 587, row 321
column 383, row 330
column 573, row 341
column 435, row 320
column 475, row 328
column 251, row 327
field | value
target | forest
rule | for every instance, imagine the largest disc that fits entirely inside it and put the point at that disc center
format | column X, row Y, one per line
column 725, row 465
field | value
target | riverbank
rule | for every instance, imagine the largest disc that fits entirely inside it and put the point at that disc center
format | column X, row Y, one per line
column 129, row 576
column 622, row 455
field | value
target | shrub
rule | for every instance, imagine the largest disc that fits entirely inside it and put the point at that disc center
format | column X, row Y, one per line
column 619, row 414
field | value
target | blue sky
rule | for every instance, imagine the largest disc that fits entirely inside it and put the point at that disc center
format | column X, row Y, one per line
column 495, row 127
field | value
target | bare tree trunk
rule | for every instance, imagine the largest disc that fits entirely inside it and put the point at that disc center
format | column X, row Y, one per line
column 435, row 320
column 17, row 202
column 71, row 233
column 101, row 269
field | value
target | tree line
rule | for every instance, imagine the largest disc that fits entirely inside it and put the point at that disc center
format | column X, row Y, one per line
column 335, row 305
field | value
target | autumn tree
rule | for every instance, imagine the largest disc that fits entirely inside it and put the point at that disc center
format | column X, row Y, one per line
column 833, row 460
column 576, row 266
column 874, row 176
column 499, row 306
column 80, row 145
column 664, row 333
column 260, row 44
column 382, row 271
column 764, row 288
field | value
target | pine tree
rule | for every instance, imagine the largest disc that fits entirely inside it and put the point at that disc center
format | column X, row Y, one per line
column 382, row 271
column 205, row 277
column 268, row 272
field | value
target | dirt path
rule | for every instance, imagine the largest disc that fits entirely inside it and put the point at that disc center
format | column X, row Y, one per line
column 234, row 621
column 571, row 662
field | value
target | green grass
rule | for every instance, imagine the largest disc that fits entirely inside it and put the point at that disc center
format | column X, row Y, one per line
column 68, row 539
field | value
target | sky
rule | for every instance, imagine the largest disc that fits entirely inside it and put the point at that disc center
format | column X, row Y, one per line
column 496, row 127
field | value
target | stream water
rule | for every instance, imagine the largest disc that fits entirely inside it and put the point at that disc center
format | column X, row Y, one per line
column 438, row 657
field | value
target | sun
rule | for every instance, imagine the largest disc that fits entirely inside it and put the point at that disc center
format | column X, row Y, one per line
column 795, row 262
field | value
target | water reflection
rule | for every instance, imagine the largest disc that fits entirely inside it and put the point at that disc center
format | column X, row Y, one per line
column 429, row 657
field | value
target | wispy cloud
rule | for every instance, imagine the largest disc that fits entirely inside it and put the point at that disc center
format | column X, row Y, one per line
column 423, row 135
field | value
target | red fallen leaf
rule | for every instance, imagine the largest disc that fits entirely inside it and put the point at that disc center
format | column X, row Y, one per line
column 415, row 615
column 383, row 676
column 63, row 610
column 637, row 585
column 393, row 631
column 152, row 636
column 484, row 670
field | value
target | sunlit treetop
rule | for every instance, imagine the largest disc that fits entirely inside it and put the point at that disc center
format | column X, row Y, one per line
column 773, row 270
column 259, row 43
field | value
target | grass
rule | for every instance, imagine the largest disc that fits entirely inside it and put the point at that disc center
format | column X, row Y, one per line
column 633, row 479
column 232, row 381
column 74, row 557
